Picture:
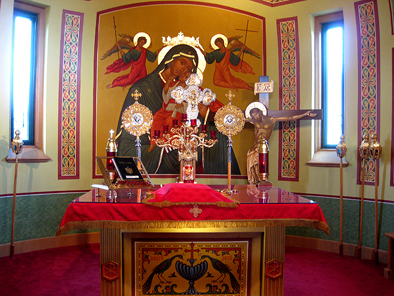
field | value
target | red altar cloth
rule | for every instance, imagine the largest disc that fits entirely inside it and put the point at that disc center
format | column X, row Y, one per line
column 176, row 194
column 82, row 215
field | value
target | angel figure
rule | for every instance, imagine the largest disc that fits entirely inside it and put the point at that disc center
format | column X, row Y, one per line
column 134, row 58
column 225, row 59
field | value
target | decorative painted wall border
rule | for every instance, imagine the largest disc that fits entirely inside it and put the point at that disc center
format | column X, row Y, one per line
column 289, row 98
column 273, row 3
column 69, row 95
column 368, row 79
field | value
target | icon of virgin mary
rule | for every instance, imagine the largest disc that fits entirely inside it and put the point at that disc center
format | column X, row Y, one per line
column 180, row 59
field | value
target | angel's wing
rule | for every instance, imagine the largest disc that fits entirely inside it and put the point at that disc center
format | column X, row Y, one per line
column 126, row 42
column 234, row 44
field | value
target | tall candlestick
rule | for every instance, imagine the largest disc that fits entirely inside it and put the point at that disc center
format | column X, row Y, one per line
column 364, row 154
column 341, row 152
column 16, row 146
column 376, row 151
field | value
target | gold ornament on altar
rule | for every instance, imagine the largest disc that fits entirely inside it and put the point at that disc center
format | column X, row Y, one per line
column 187, row 137
column 137, row 119
column 229, row 119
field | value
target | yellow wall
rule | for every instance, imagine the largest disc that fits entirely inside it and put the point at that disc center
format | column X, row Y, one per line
column 43, row 177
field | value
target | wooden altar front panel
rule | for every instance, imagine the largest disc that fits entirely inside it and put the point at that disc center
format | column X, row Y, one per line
column 261, row 220
column 265, row 264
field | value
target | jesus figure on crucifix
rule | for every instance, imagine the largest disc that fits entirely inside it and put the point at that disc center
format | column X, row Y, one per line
column 256, row 113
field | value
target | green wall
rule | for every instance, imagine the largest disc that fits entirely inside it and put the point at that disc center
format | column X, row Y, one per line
column 36, row 216
column 351, row 222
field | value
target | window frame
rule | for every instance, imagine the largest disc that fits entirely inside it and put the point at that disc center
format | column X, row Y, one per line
column 324, row 28
column 33, row 17
column 34, row 153
column 323, row 157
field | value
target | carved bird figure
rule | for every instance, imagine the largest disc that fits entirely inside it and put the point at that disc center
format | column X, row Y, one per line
column 224, row 270
column 158, row 270
column 234, row 44
column 126, row 42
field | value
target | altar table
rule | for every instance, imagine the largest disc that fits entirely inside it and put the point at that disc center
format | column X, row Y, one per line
column 259, row 219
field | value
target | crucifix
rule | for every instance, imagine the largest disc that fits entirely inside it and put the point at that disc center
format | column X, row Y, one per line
column 264, row 120
column 264, row 88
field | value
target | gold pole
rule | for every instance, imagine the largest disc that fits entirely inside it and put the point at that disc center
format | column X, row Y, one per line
column 229, row 175
column 229, row 144
column 364, row 153
column 376, row 151
column 358, row 254
column 341, row 206
column 341, row 152
column 139, row 190
column 376, row 254
column 16, row 146
column 13, row 209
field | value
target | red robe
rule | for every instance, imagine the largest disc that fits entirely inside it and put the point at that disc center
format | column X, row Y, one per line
column 138, row 70
column 223, row 77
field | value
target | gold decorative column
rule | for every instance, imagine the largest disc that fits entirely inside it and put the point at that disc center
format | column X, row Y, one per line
column 274, row 258
column 111, row 262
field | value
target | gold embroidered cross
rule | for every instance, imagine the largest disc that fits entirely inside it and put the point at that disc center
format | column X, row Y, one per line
column 136, row 95
column 195, row 211
column 230, row 95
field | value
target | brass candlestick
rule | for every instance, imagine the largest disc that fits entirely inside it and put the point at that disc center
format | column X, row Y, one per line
column 187, row 137
column 376, row 151
column 341, row 152
column 364, row 154
column 16, row 146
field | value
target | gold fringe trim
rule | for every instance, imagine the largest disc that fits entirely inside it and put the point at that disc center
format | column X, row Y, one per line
column 152, row 225
column 166, row 203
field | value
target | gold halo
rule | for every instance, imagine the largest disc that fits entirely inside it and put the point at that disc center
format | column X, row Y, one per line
column 213, row 39
column 257, row 105
column 142, row 34
column 201, row 58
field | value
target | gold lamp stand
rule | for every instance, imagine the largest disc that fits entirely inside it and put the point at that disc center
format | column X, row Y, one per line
column 16, row 146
